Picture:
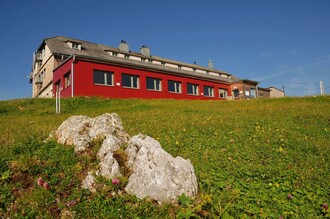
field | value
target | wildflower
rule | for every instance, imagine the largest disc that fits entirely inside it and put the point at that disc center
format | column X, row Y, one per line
column 71, row 203
column 40, row 182
column 46, row 186
column 325, row 206
column 290, row 196
column 115, row 181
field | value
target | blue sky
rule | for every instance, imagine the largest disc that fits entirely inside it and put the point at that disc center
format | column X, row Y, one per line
column 277, row 42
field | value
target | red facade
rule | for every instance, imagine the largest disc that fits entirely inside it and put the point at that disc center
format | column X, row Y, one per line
column 81, row 82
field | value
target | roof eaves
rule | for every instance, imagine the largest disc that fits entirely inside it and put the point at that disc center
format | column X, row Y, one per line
column 157, row 68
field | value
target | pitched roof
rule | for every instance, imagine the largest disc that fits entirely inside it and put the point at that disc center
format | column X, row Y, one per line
column 99, row 52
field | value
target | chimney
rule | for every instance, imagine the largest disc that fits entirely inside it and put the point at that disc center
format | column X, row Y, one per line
column 210, row 64
column 145, row 51
column 123, row 46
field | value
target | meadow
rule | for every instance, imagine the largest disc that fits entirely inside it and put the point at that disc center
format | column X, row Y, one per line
column 262, row 158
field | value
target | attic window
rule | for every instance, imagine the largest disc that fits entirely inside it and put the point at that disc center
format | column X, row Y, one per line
column 74, row 45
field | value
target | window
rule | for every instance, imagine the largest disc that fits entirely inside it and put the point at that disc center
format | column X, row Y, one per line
column 114, row 53
column 192, row 89
column 179, row 66
column 208, row 91
column 131, row 81
column 154, row 84
column 223, row 93
column 126, row 56
column 76, row 46
column 253, row 92
column 162, row 63
column 174, row 86
column 103, row 78
column 67, row 80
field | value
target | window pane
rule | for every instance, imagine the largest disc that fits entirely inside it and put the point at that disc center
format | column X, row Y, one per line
column 98, row 77
column 208, row 91
column 102, row 77
column 126, row 80
column 135, row 81
column 192, row 89
column 67, row 80
column 174, row 86
column 131, row 81
column 178, row 87
column 150, row 84
column 108, row 76
column 158, row 84
column 153, row 84
column 223, row 93
column 171, row 86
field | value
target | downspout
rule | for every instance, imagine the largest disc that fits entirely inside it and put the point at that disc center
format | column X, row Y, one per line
column 72, row 74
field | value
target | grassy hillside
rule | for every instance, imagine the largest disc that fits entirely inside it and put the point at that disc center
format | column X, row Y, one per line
column 263, row 158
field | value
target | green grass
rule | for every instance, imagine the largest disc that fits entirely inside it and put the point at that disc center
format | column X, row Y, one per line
column 248, row 157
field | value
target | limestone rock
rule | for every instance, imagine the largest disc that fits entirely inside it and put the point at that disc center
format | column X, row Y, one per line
column 109, row 167
column 89, row 182
column 81, row 130
column 153, row 172
column 156, row 174
column 109, row 145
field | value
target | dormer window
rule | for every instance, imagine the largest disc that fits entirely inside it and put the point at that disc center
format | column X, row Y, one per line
column 74, row 45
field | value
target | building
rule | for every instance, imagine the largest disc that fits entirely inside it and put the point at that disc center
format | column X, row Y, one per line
column 74, row 67
column 276, row 93
column 244, row 89
column 263, row 92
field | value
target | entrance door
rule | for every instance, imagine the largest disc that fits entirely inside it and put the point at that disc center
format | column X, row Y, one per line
column 236, row 94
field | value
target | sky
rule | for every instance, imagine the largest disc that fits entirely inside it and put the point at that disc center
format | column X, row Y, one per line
column 276, row 42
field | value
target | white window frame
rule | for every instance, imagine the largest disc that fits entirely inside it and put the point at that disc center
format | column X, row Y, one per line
column 132, row 77
column 105, row 78
column 177, row 86
column 157, row 83
column 67, row 79
column 210, row 91
column 223, row 91
column 195, row 89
